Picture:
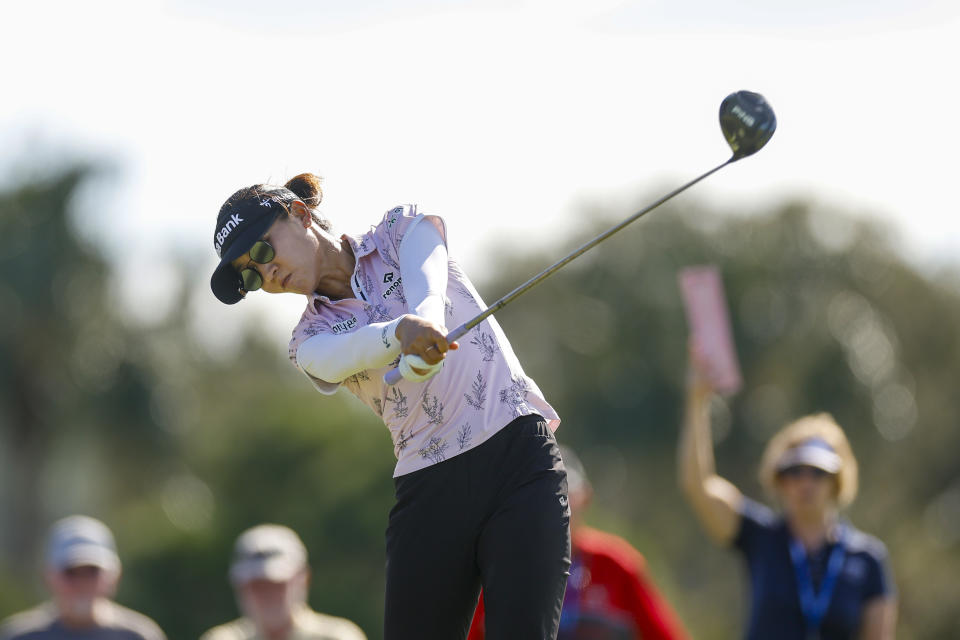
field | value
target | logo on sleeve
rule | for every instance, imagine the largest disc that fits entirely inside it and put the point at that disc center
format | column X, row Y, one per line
column 388, row 277
column 344, row 326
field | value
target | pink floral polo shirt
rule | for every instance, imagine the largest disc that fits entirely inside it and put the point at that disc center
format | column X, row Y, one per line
column 480, row 389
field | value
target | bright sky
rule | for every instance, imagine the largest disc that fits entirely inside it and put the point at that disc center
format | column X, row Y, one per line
column 512, row 113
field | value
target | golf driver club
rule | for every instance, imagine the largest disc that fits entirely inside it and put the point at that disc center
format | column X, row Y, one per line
column 747, row 122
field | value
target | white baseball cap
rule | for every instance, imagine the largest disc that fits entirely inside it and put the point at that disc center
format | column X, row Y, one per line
column 78, row 541
column 813, row 452
column 269, row 551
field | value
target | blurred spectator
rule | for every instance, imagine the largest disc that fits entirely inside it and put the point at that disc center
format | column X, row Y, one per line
column 270, row 578
column 609, row 595
column 812, row 574
column 82, row 572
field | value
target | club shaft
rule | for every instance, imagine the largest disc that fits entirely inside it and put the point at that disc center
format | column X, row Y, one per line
column 393, row 376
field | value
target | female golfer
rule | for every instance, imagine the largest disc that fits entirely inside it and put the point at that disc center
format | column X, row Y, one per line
column 812, row 575
column 481, row 492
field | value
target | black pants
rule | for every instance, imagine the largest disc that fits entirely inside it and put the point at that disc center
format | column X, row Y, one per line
column 495, row 516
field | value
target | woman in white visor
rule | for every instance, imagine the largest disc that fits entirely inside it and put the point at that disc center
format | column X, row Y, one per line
column 812, row 574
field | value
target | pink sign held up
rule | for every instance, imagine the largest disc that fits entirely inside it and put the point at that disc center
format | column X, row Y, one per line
column 709, row 322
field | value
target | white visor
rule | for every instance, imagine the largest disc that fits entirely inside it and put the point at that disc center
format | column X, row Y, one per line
column 814, row 452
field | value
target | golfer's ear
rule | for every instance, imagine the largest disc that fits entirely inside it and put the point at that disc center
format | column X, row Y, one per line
column 301, row 212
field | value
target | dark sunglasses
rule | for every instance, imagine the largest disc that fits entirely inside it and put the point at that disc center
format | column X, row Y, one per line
column 81, row 572
column 800, row 470
column 262, row 253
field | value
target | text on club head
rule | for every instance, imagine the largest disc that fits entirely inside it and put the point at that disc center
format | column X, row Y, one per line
column 745, row 117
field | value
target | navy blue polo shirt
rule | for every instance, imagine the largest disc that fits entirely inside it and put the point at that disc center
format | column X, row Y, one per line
column 774, row 602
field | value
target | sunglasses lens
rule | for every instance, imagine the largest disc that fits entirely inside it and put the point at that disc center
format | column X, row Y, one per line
column 75, row 573
column 261, row 252
column 804, row 470
column 251, row 279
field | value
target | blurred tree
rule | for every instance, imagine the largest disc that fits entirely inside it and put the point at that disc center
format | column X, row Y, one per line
column 145, row 428
column 827, row 317
column 67, row 369
column 269, row 449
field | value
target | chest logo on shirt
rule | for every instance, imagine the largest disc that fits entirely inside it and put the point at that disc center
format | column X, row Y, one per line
column 854, row 569
column 346, row 325
column 392, row 288
column 388, row 277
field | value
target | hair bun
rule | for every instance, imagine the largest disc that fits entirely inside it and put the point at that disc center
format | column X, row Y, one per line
column 307, row 187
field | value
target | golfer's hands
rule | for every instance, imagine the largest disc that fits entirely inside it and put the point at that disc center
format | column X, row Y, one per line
column 424, row 347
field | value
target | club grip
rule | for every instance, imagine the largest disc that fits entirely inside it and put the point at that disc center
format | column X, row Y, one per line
column 393, row 376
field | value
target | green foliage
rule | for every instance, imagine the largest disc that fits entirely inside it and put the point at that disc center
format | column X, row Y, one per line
column 66, row 366
column 826, row 317
column 179, row 450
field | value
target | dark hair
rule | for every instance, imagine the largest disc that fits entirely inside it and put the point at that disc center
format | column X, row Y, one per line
column 305, row 187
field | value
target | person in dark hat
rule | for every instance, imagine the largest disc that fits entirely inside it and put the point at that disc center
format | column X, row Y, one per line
column 479, row 481
column 82, row 572
column 812, row 574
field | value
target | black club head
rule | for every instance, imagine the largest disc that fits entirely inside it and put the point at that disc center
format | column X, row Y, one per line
column 747, row 122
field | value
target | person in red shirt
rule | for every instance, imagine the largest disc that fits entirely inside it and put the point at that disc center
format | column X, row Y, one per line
column 609, row 594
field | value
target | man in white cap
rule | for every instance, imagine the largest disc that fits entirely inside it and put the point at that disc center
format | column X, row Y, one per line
column 82, row 572
column 270, row 578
